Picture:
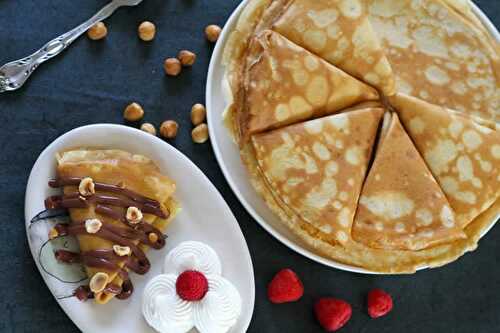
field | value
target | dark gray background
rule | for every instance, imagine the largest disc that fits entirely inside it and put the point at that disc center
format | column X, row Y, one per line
column 93, row 81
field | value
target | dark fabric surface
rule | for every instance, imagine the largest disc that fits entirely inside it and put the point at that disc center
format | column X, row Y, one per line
column 93, row 81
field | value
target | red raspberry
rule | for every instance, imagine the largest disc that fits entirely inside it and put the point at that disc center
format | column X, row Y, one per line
column 191, row 286
column 332, row 313
column 379, row 303
column 285, row 287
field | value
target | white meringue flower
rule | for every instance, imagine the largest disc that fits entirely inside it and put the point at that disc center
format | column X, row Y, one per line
column 216, row 312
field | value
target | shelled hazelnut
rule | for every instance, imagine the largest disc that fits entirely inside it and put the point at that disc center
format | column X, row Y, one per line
column 169, row 129
column 133, row 112
column 146, row 31
column 198, row 114
column 172, row 66
column 134, row 215
column 200, row 133
column 212, row 32
column 98, row 282
column 148, row 128
column 86, row 188
column 97, row 31
column 187, row 58
column 153, row 238
column 121, row 251
column 92, row 226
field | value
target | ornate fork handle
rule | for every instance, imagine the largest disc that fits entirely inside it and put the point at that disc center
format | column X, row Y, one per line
column 14, row 74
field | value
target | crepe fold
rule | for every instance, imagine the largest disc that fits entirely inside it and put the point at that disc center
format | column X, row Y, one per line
column 401, row 205
column 287, row 84
column 462, row 152
column 133, row 172
column 440, row 53
column 317, row 167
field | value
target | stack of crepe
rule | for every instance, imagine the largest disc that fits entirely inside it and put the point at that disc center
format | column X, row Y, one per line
column 369, row 126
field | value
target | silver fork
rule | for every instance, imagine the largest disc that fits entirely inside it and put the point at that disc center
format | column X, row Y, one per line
column 14, row 74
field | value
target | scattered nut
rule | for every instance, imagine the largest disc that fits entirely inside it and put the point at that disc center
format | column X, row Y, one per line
column 200, row 133
column 148, row 128
column 153, row 238
column 86, row 187
column 187, row 58
column 92, row 226
column 53, row 233
column 146, row 31
column 198, row 114
column 98, row 282
column 97, row 31
column 133, row 112
column 134, row 215
column 213, row 32
column 172, row 66
column 122, row 251
column 169, row 129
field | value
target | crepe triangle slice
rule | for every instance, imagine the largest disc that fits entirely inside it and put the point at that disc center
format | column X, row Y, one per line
column 317, row 168
column 401, row 205
column 131, row 172
column 339, row 32
column 288, row 84
column 463, row 155
column 438, row 55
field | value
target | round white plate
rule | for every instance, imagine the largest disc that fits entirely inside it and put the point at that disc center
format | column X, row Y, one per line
column 205, row 217
column 227, row 152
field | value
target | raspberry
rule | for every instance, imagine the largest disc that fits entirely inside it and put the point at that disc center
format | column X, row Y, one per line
column 285, row 287
column 379, row 303
column 191, row 286
column 332, row 313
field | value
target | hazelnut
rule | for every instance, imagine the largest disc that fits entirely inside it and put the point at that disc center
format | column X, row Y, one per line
column 122, row 251
column 172, row 66
column 168, row 129
column 86, row 187
column 133, row 112
column 200, row 133
column 187, row 58
column 98, row 282
column 198, row 114
column 97, row 31
column 146, row 31
column 92, row 226
column 153, row 238
column 134, row 215
column 212, row 32
column 148, row 128
column 53, row 233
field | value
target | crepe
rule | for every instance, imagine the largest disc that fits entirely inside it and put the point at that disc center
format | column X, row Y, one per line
column 131, row 172
column 463, row 155
column 339, row 32
column 438, row 55
column 317, row 167
column 287, row 84
column 401, row 205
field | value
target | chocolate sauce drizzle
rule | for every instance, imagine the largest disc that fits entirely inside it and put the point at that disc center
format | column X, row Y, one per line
column 108, row 205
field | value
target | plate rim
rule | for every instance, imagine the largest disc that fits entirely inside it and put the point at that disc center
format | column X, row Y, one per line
column 173, row 150
column 217, row 54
